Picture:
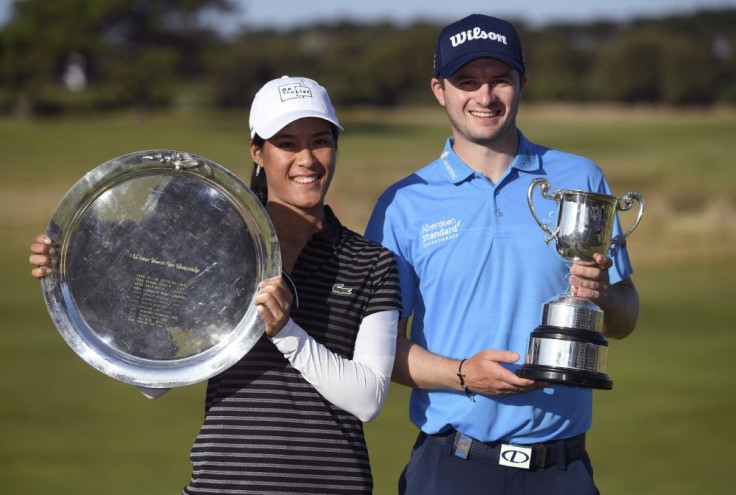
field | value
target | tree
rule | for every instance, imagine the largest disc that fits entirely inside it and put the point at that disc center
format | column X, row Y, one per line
column 630, row 71
column 129, row 48
column 558, row 72
column 651, row 66
column 689, row 74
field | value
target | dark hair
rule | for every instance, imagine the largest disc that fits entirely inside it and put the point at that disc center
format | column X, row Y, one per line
column 258, row 182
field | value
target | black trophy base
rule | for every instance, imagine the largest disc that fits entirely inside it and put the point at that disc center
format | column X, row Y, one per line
column 567, row 356
column 570, row 378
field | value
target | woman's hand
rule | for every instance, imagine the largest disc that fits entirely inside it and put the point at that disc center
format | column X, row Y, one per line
column 273, row 303
column 42, row 256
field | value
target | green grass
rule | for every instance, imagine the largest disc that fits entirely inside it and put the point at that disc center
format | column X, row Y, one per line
column 670, row 408
column 666, row 428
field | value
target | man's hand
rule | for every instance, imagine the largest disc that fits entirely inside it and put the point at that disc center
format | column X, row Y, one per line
column 590, row 280
column 619, row 302
column 484, row 374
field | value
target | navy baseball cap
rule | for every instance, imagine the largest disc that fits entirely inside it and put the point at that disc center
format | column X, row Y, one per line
column 474, row 37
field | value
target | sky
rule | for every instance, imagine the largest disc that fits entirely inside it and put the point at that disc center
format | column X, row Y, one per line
column 290, row 13
column 286, row 14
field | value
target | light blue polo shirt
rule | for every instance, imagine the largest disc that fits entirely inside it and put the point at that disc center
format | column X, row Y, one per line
column 475, row 272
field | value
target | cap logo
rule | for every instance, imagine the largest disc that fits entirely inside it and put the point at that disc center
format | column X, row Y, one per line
column 476, row 34
column 294, row 90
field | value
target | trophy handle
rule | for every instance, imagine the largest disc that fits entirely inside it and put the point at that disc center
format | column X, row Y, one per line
column 625, row 204
column 543, row 187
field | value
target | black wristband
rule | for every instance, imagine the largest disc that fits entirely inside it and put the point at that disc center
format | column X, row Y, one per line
column 462, row 381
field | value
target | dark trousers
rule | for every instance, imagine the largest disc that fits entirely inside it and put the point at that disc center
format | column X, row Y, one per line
column 559, row 468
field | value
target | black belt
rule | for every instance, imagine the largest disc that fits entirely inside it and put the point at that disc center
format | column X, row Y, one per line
column 543, row 455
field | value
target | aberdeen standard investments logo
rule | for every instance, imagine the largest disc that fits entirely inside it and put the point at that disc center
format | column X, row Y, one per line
column 442, row 231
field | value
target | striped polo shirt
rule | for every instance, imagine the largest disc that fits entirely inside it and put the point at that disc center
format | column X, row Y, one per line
column 266, row 429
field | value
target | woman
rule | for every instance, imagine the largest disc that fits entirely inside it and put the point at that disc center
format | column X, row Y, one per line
column 288, row 417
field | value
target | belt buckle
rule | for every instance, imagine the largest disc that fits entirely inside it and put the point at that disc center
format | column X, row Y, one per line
column 516, row 456
column 462, row 446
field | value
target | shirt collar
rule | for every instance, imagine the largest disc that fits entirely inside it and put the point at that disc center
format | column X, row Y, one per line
column 527, row 159
column 331, row 228
column 456, row 169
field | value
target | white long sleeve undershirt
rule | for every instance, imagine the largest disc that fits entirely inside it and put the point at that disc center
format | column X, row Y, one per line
column 359, row 386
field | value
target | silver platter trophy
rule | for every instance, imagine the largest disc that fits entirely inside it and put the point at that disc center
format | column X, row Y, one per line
column 569, row 347
column 159, row 256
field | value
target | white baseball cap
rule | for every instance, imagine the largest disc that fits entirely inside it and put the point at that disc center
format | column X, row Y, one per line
column 282, row 101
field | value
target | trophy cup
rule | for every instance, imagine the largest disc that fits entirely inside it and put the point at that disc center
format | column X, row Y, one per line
column 568, row 347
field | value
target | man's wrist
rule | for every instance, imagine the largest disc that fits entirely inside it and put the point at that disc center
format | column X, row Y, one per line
column 463, row 385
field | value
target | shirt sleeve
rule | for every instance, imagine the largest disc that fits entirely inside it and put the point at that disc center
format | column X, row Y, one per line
column 383, row 229
column 358, row 386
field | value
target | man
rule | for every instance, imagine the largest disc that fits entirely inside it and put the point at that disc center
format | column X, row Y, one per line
column 475, row 274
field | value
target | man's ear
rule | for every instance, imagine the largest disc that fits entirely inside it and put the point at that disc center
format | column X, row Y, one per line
column 522, row 83
column 438, row 89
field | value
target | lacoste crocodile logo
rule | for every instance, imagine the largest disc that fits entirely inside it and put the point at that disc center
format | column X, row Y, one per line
column 341, row 289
